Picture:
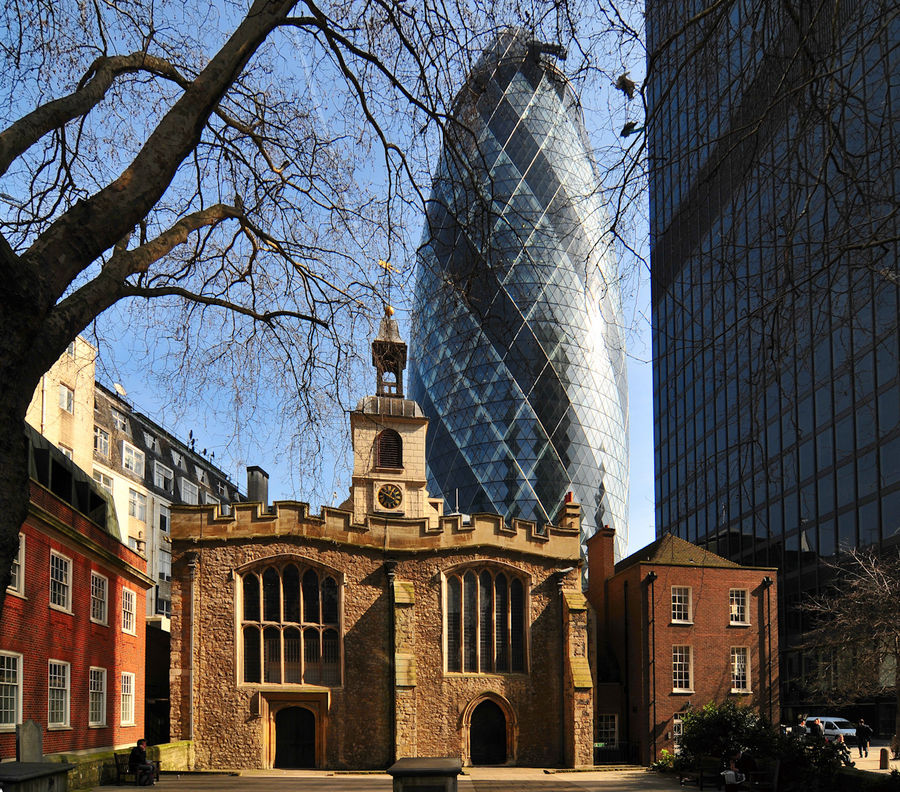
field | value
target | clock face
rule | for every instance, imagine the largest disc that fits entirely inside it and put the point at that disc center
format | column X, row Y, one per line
column 390, row 496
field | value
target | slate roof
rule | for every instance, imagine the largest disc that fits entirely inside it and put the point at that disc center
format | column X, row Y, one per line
column 674, row 551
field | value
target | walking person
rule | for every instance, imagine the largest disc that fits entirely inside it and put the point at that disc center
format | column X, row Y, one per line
column 863, row 735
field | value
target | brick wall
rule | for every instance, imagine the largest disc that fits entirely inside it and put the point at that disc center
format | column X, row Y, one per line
column 32, row 628
column 643, row 643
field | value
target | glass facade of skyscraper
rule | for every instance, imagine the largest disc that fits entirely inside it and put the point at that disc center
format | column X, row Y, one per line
column 517, row 343
column 774, row 132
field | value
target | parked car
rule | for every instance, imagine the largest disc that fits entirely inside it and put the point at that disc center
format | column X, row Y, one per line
column 833, row 727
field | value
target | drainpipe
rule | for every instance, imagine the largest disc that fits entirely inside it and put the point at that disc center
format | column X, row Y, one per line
column 193, row 561
column 391, row 568
column 560, row 582
column 651, row 578
column 627, row 669
column 767, row 587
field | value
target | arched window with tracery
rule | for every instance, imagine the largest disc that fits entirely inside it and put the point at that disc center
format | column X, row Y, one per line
column 388, row 449
column 290, row 626
column 485, row 622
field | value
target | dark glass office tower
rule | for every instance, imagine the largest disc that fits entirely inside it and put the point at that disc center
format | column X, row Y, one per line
column 517, row 340
column 774, row 141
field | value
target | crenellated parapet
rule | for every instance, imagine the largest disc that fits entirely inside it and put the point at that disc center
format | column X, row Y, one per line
column 335, row 525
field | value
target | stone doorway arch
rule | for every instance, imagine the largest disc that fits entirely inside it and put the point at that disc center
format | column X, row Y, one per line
column 489, row 731
column 295, row 738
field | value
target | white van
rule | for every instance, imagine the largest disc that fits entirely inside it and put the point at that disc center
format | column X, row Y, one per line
column 833, row 727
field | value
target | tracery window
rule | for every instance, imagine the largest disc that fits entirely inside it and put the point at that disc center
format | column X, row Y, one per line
column 485, row 622
column 290, row 625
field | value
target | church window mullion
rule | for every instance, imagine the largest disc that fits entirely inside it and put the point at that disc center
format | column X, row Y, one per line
column 470, row 622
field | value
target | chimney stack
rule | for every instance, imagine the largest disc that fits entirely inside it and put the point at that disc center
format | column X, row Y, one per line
column 258, row 486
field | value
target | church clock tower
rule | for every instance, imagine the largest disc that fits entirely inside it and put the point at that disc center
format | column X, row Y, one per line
column 388, row 435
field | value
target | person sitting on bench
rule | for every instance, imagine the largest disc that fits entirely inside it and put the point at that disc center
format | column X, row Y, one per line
column 139, row 765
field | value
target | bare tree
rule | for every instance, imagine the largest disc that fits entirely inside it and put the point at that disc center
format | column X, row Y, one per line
column 219, row 185
column 855, row 633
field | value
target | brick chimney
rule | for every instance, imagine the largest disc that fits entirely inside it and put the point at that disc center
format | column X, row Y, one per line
column 601, row 564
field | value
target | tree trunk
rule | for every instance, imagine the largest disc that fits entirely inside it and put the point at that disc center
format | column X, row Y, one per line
column 14, row 493
column 25, row 354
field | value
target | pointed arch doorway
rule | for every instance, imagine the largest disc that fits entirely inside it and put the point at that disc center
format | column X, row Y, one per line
column 295, row 738
column 488, row 734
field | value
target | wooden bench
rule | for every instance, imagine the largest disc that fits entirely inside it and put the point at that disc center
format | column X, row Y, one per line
column 122, row 769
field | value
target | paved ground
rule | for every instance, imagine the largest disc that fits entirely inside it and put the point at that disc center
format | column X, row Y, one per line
column 476, row 779
column 507, row 779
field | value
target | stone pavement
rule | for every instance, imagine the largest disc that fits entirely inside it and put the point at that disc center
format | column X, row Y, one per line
column 476, row 779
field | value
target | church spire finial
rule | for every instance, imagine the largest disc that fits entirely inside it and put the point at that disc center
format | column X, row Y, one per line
column 389, row 356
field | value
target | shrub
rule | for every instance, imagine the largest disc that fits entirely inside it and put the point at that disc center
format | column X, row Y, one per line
column 721, row 730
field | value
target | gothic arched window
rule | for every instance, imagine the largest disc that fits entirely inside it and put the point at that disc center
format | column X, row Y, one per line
column 294, row 638
column 485, row 622
column 388, row 449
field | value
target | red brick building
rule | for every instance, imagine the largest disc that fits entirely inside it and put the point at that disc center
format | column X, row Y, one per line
column 678, row 627
column 72, row 633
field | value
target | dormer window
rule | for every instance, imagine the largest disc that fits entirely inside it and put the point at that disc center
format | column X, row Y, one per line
column 388, row 449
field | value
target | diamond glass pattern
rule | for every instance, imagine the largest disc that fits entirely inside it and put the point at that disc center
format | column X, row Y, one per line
column 517, row 343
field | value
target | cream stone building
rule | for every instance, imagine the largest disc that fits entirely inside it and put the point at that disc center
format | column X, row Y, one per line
column 380, row 629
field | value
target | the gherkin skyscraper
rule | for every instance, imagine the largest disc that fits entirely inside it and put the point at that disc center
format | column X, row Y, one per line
column 517, row 341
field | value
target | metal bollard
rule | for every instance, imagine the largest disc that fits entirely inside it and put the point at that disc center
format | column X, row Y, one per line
column 883, row 762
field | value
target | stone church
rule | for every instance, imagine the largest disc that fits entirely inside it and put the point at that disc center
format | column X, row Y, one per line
column 380, row 629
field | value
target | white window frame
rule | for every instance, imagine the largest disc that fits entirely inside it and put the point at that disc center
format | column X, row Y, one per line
column 119, row 420
column 66, row 669
column 682, row 664
column 129, row 611
column 11, row 690
column 96, row 696
column 17, row 572
column 137, row 505
column 126, row 699
column 682, row 605
column 209, row 499
column 165, row 518
column 735, row 606
column 601, row 730
column 104, row 480
column 66, row 399
column 163, row 477
column 133, row 459
column 738, row 652
column 189, row 486
column 177, row 459
column 165, row 564
column 101, row 441
column 70, row 349
column 677, row 733
column 151, row 442
column 66, row 583
column 66, row 451
column 99, row 604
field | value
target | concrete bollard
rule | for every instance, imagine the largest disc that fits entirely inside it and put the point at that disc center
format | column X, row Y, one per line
column 883, row 762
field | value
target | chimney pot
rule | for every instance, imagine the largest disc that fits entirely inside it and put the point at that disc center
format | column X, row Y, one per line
column 258, row 486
